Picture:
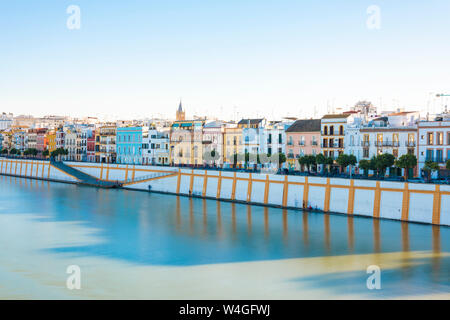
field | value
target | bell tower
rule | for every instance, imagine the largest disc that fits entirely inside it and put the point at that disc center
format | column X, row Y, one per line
column 180, row 113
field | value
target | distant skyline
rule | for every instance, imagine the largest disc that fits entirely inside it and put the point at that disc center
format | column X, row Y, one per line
column 233, row 59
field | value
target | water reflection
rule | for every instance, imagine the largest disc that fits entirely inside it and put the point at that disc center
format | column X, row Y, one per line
column 155, row 229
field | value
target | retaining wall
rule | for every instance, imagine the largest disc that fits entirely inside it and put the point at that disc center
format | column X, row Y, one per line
column 425, row 203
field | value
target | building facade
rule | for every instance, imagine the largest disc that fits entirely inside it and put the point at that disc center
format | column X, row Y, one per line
column 186, row 143
column 333, row 129
column 155, row 148
column 302, row 138
column 129, row 144
column 105, row 144
column 434, row 142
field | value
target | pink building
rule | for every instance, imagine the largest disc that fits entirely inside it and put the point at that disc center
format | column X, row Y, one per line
column 41, row 142
column 302, row 138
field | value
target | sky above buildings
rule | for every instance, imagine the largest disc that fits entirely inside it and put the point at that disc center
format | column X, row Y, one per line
column 230, row 59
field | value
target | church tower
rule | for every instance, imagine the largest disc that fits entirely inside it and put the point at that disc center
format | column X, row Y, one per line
column 180, row 113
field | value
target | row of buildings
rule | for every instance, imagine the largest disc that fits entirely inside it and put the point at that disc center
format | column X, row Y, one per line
column 360, row 131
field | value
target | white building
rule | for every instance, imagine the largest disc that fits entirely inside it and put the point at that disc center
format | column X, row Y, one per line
column 155, row 147
column 6, row 121
column 213, row 143
column 434, row 141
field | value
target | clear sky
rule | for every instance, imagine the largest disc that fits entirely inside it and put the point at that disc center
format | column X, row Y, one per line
column 234, row 58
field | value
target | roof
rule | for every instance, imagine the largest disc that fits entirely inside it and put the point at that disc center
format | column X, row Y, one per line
column 403, row 113
column 252, row 121
column 312, row 125
column 336, row 116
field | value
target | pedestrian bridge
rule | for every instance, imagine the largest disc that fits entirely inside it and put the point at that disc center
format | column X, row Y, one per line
column 84, row 178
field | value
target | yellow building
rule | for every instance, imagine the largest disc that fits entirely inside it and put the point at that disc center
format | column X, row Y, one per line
column 51, row 140
column 186, row 142
column 232, row 144
column 105, row 144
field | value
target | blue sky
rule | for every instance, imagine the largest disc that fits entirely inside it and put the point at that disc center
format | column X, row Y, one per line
column 226, row 58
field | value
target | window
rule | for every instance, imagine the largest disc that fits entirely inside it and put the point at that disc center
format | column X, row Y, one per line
column 325, row 143
column 395, row 153
column 440, row 138
column 430, row 138
column 352, row 140
column 325, row 131
column 341, row 130
column 429, row 155
column 331, row 130
column 365, row 152
column 439, row 156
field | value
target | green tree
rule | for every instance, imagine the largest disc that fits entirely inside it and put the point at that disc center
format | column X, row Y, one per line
column 303, row 163
column 365, row 165
column 345, row 160
column 281, row 157
column 310, row 161
column 381, row 162
column 14, row 151
column 329, row 162
column 447, row 165
column 320, row 159
column 46, row 153
column 429, row 168
column 59, row 152
column 406, row 162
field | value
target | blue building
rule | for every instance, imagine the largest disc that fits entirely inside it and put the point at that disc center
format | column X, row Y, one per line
column 129, row 144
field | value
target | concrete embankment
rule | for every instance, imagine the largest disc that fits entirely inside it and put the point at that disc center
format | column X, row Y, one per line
column 423, row 203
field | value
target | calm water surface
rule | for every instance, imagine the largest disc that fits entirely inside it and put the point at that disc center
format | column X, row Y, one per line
column 132, row 244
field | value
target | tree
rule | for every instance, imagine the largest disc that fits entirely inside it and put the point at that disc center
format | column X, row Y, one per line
column 5, row 151
column 58, row 153
column 320, row 159
column 14, row 151
column 346, row 160
column 365, row 165
column 381, row 162
column 387, row 160
column 281, row 157
column 447, row 165
column 406, row 162
column 430, row 167
column 303, row 162
column 46, row 153
column 329, row 162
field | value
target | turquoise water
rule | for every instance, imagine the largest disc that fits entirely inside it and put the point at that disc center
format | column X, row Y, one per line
column 153, row 230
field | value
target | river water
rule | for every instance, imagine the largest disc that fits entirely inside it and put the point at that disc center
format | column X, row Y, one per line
column 139, row 245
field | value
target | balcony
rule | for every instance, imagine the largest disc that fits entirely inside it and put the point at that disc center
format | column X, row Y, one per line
column 365, row 143
column 440, row 160
column 381, row 144
column 410, row 144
